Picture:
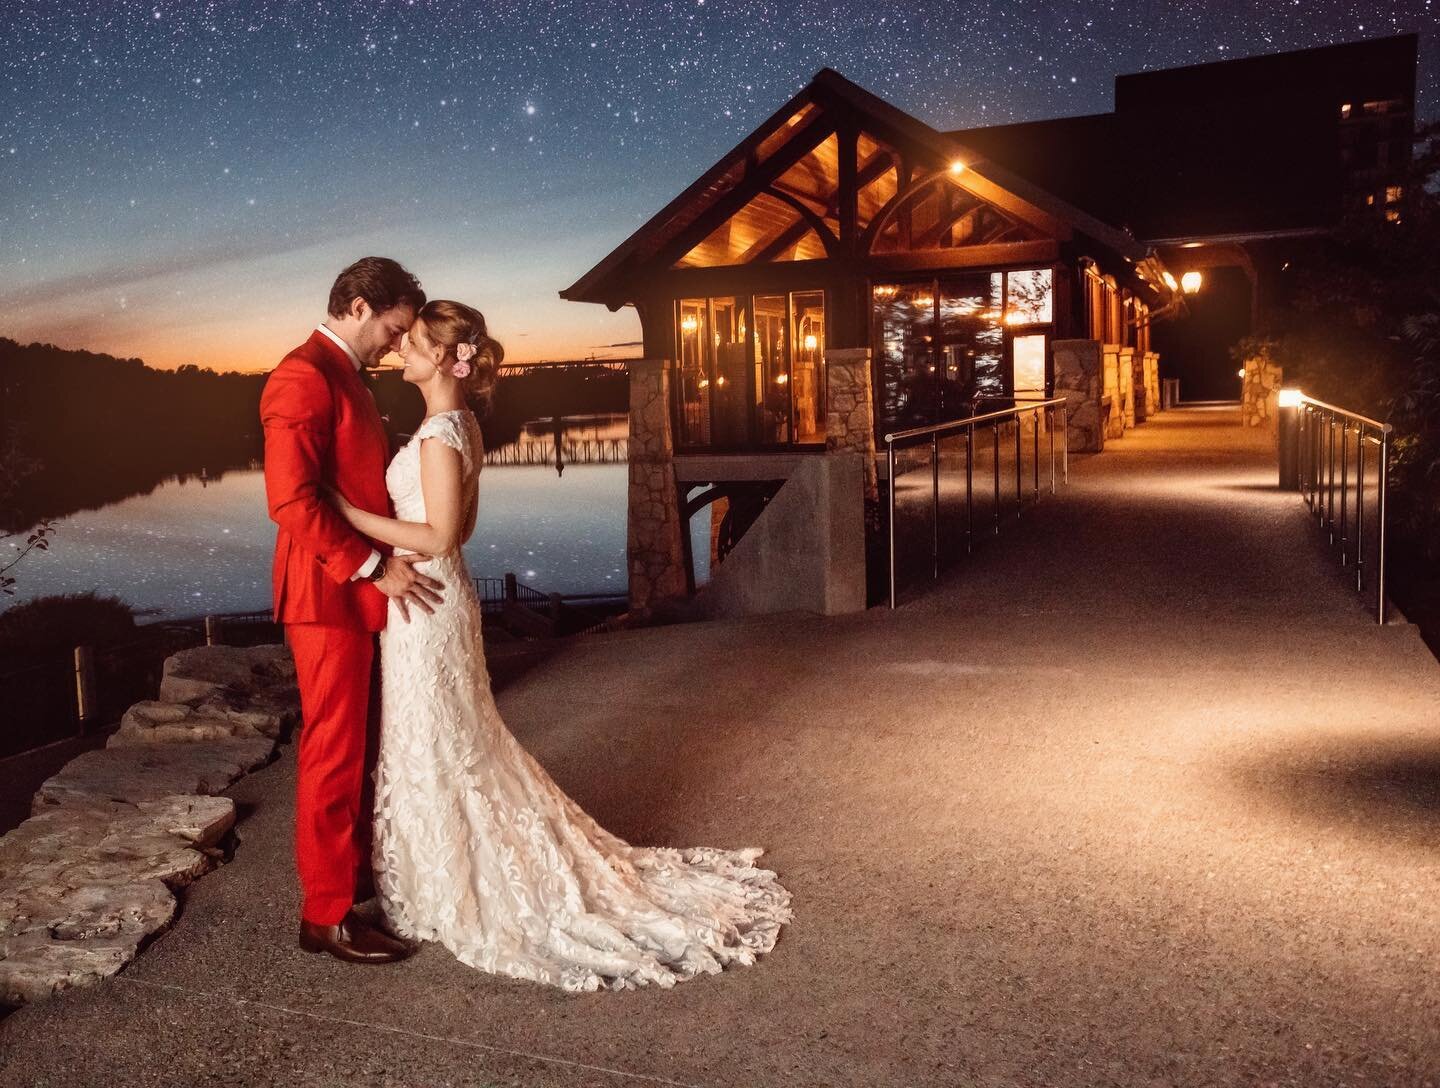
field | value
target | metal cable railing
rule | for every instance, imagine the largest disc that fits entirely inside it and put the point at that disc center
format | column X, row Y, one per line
column 1049, row 411
column 1333, row 483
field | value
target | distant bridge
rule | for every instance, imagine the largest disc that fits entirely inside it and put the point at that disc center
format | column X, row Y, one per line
column 568, row 451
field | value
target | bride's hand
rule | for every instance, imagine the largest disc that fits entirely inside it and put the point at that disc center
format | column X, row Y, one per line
column 337, row 500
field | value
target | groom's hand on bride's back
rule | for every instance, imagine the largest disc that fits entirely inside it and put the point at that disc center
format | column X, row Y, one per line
column 406, row 585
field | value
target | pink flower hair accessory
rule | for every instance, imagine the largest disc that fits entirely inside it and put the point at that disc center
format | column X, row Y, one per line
column 463, row 354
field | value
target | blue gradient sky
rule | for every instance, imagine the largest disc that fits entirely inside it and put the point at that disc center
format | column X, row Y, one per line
column 182, row 181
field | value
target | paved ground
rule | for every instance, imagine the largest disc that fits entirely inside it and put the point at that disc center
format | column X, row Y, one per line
column 1139, row 796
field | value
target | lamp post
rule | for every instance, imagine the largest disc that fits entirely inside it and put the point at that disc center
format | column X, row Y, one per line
column 1289, row 404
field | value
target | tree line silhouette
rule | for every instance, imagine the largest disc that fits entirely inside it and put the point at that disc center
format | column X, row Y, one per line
column 93, row 429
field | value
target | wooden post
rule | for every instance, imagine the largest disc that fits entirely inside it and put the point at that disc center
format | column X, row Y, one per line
column 212, row 631
column 512, row 593
column 87, row 706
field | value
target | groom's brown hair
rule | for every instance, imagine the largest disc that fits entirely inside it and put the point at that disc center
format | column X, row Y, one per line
column 381, row 282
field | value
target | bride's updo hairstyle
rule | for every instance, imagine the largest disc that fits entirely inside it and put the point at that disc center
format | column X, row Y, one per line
column 449, row 324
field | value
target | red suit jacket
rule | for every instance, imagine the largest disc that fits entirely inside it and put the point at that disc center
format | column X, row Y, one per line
column 322, row 427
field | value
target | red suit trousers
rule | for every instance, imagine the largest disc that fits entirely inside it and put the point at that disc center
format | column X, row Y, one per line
column 332, row 820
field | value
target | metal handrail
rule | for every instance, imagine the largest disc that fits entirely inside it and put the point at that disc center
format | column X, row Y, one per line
column 1049, row 407
column 1316, row 439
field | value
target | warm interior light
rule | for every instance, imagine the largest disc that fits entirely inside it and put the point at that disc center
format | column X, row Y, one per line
column 781, row 379
column 811, row 342
column 704, row 382
column 1014, row 318
column 1291, row 398
column 1170, row 281
column 1239, row 373
column 957, row 167
column 720, row 380
column 688, row 323
column 924, row 302
column 1190, row 282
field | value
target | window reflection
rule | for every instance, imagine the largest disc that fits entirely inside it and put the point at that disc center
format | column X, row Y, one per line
column 730, row 421
column 750, row 371
column 772, row 370
column 1028, row 297
column 692, row 377
column 808, row 311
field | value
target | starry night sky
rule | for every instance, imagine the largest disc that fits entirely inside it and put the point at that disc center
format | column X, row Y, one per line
column 182, row 181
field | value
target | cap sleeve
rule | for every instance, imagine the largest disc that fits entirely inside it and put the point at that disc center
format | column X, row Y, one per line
column 449, row 430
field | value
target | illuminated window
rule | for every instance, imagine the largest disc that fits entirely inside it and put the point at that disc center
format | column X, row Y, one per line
column 1393, row 193
column 1029, row 353
column 1385, row 106
column 1345, row 112
column 1369, row 199
column 1392, row 215
column 750, row 370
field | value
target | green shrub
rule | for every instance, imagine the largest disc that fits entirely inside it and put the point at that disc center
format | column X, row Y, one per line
column 63, row 622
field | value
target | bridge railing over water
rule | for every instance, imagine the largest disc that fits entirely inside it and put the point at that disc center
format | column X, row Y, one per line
column 1040, row 416
column 1334, row 457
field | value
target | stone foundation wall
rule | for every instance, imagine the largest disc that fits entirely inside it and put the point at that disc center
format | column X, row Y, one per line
column 850, row 410
column 1079, row 378
column 1152, row 382
column 1260, row 393
column 654, row 552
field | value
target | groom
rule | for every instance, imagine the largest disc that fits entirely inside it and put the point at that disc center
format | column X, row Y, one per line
column 322, row 429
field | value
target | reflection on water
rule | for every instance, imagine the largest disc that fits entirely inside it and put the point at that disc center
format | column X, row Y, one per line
column 202, row 544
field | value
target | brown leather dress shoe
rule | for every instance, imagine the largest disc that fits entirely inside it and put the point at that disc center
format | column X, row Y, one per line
column 353, row 941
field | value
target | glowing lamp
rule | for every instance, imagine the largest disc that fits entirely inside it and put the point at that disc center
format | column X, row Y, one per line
column 781, row 379
column 688, row 323
column 1191, row 281
column 1291, row 398
column 720, row 381
column 811, row 342
column 1240, row 373
column 1170, row 281
column 957, row 167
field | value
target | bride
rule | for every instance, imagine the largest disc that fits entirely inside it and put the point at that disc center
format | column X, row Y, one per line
column 475, row 845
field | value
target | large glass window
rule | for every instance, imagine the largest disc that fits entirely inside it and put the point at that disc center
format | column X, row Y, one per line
column 692, row 378
column 808, row 385
column 750, row 371
column 943, row 344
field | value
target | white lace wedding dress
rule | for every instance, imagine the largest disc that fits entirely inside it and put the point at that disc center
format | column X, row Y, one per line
column 477, row 847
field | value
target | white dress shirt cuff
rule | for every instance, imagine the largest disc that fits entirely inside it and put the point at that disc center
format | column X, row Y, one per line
column 367, row 568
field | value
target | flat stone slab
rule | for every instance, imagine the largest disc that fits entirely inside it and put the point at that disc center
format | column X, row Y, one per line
column 214, row 718
column 84, row 885
column 149, row 772
column 248, row 671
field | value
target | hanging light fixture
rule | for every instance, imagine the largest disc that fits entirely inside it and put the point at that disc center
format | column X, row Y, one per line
column 1191, row 281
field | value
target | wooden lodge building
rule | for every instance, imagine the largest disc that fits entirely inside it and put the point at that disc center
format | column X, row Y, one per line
column 848, row 271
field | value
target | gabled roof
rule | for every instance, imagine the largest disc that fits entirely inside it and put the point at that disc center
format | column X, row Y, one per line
column 608, row 281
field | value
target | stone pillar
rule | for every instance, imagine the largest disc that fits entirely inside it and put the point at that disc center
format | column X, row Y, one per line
column 653, row 541
column 1079, row 379
column 1115, row 416
column 1126, row 381
column 1143, row 405
column 850, row 410
column 1260, row 393
column 1152, row 382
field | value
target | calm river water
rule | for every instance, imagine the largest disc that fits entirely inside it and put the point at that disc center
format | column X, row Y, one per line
column 191, row 547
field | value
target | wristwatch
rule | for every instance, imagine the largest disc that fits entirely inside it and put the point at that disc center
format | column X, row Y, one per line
column 378, row 573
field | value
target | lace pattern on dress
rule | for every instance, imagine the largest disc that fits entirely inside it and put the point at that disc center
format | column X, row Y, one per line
column 478, row 848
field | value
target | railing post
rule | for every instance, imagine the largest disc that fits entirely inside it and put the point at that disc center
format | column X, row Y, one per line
column 512, row 591
column 1035, row 422
column 1360, row 512
column 995, row 432
column 934, row 506
column 1344, row 487
column 1330, row 479
column 890, row 456
column 1051, row 410
column 1380, row 509
column 212, row 631
column 1065, row 436
column 969, row 489
column 1019, row 463
column 87, row 706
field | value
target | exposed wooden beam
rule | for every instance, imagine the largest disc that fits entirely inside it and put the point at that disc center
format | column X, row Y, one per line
column 997, row 255
column 809, row 136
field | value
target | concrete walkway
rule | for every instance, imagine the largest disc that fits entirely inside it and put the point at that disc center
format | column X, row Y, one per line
column 1138, row 796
